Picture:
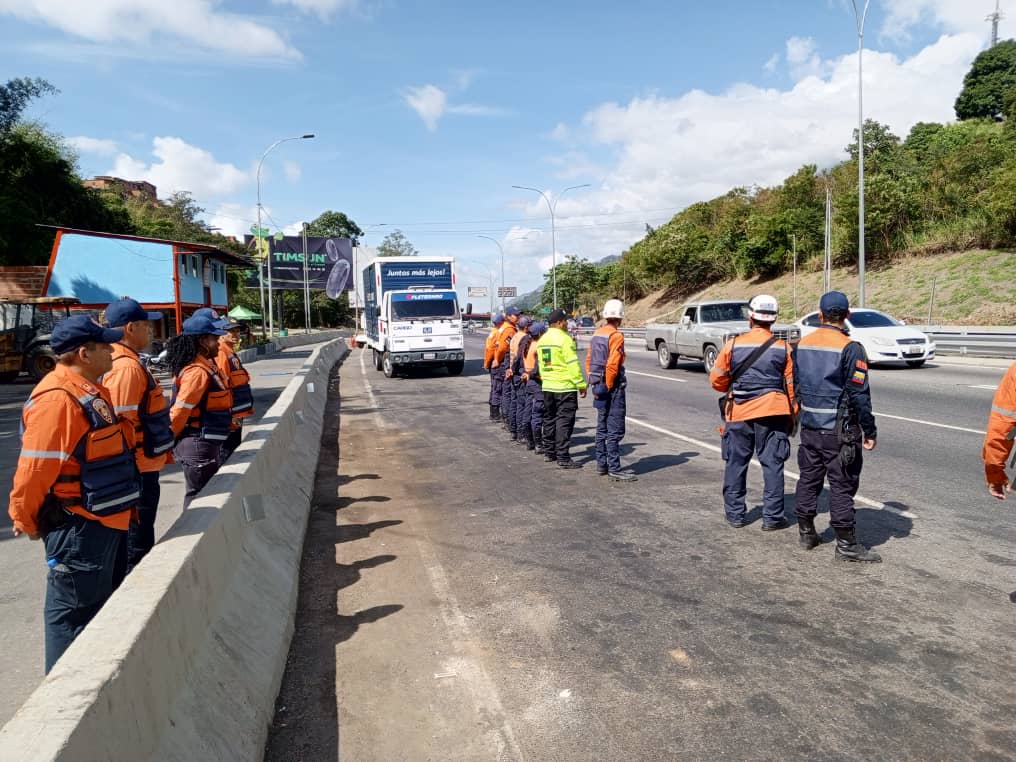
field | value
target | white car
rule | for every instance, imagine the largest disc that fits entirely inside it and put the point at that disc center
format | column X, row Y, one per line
column 884, row 338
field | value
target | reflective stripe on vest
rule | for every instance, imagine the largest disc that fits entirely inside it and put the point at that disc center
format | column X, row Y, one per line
column 764, row 376
column 109, row 481
column 820, row 378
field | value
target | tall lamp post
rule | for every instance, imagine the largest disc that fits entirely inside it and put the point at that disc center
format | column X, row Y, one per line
column 859, row 17
column 553, row 230
column 501, row 249
column 271, row 325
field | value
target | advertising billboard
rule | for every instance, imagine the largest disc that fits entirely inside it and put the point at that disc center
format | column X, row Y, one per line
column 329, row 263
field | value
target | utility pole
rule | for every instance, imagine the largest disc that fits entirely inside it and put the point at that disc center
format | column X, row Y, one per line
column 994, row 18
column 827, row 264
column 860, row 15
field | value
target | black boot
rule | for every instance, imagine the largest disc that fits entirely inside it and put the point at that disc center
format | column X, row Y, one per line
column 495, row 413
column 807, row 536
column 849, row 549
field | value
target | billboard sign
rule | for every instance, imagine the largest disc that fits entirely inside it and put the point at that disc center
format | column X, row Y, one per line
column 507, row 291
column 476, row 291
column 329, row 263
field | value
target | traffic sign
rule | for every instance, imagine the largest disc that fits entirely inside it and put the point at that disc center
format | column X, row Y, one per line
column 508, row 292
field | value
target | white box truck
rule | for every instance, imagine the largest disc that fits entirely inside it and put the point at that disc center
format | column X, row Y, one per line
column 411, row 314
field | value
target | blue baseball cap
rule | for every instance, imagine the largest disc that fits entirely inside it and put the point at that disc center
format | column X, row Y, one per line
column 208, row 312
column 78, row 330
column 498, row 319
column 513, row 310
column 524, row 322
column 537, row 329
column 834, row 303
column 127, row 310
column 202, row 325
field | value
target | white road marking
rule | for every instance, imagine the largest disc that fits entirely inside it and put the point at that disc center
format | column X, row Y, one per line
column 989, row 387
column 792, row 474
column 370, row 392
column 654, row 375
column 929, row 423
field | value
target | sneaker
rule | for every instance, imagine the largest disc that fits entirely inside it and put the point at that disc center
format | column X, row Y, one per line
column 549, row 458
column 568, row 464
column 540, row 450
column 776, row 525
column 601, row 471
column 622, row 476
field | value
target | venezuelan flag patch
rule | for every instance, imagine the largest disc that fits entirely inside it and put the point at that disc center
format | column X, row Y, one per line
column 859, row 377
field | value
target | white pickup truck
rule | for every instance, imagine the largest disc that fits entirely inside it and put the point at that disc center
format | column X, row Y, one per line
column 703, row 329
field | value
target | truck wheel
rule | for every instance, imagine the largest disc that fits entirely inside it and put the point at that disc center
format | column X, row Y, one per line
column 378, row 360
column 709, row 354
column 39, row 362
column 455, row 368
column 8, row 377
column 387, row 366
column 667, row 358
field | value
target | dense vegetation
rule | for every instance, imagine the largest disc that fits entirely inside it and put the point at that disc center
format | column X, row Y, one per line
column 945, row 187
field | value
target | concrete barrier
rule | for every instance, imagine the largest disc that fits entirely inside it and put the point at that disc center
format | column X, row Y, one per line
column 186, row 659
column 251, row 353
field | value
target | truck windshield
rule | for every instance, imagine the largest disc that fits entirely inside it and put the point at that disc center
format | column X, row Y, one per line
column 720, row 313
column 428, row 309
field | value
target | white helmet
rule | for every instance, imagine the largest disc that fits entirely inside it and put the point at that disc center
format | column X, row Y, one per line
column 614, row 308
column 764, row 308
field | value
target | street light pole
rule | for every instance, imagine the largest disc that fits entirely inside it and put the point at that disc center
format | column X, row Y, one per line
column 501, row 249
column 271, row 326
column 859, row 17
column 553, row 228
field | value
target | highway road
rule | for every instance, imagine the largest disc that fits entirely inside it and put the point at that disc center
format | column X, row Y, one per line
column 490, row 606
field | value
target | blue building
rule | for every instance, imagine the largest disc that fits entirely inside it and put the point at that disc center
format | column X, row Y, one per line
column 174, row 277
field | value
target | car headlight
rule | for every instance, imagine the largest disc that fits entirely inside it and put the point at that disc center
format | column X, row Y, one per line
column 882, row 341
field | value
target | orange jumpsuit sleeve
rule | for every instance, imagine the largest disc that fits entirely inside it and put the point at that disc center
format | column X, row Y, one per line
column 488, row 349
column 788, row 379
column 53, row 427
column 1001, row 421
column 503, row 345
column 194, row 382
column 615, row 358
column 719, row 376
column 127, row 387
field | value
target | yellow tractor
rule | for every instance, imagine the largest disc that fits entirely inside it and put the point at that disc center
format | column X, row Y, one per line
column 25, row 328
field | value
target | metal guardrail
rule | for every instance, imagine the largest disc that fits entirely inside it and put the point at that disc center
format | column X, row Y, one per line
column 972, row 341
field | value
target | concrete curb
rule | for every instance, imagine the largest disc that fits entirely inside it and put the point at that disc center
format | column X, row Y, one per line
column 251, row 354
column 185, row 661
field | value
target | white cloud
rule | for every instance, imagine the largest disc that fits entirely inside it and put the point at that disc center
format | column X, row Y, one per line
column 325, row 9
column 429, row 102
column 292, row 170
column 802, row 58
column 99, row 146
column 671, row 152
column 133, row 25
column 233, row 219
column 180, row 166
column 954, row 16
column 771, row 65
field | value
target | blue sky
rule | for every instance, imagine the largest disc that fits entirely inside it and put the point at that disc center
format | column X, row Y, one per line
column 427, row 113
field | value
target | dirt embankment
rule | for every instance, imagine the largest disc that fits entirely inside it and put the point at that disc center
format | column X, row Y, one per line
column 970, row 288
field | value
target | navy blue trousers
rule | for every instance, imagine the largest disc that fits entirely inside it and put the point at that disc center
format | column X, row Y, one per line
column 523, row 408
column 610, row 429
column 535, row 392
column 767, row 438
column 79, row 582
column 496, row 382
column 199, row 461
column 141, row 535
column 508, row 403
column 818, row 457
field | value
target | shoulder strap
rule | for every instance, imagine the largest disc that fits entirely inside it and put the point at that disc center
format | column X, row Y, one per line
column 751, row 359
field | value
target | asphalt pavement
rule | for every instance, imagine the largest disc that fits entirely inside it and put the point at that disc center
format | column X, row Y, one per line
column 23, row 562
column 462, row 599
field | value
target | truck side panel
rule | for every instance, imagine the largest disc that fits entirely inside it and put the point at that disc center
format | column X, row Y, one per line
column 371, row 304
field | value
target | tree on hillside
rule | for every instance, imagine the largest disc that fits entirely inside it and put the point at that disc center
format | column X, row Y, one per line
column 395, row 244
column 39, row 185
column 15, row 97
column 989, row 84
column 335, row 225
column 881, row 145
column 577, row 281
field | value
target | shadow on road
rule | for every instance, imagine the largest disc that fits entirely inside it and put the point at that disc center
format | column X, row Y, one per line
column 658, row 462
column 306, row 723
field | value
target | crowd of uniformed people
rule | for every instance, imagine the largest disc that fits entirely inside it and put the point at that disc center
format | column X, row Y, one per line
column 771, row 390
column 95, row 434
column 97, row 431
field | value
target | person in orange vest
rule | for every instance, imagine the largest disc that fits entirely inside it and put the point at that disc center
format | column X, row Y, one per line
column 138, row 398
column 837, row 425
column 494, row 399
column 201, row 411
column 607, row 382
column 502, row 347
column 998, row 441
column 76, row 483
column 227, row 361
column 756, row 371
